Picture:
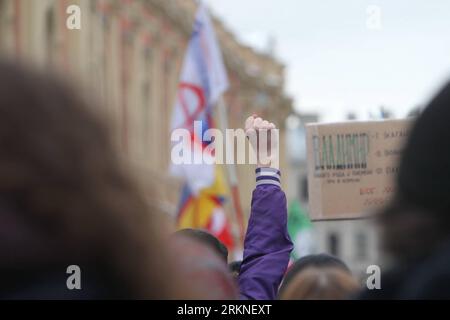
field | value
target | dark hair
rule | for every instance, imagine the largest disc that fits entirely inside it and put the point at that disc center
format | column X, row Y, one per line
column 235, row 269
column 410, row 232
column 207, row 239
column 65, row 196
column 317, row 261
column 235, row 266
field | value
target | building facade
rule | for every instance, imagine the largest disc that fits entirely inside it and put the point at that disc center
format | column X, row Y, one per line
column 127, row 58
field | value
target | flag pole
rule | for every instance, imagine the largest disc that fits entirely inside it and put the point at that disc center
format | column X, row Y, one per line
column 231, row 170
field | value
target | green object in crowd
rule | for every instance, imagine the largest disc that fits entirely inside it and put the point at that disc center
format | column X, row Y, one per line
column 300, row 230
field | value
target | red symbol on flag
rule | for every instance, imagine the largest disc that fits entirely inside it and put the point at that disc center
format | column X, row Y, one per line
column 198, row 109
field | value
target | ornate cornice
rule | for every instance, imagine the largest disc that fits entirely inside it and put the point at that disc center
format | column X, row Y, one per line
column 170, row 23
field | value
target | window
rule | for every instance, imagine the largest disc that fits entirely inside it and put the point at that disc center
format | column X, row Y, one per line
column 146, row 94
column 50, row 34
column 304, row 188
column 333, row 244
column 3, row 19
column 361, row 246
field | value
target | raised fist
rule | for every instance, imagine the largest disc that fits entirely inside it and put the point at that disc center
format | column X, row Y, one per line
column 263, row 136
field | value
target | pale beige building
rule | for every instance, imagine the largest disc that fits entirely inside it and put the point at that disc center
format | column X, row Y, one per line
column 127, row 56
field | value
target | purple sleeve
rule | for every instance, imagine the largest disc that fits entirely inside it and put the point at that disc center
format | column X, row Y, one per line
column 267, row 244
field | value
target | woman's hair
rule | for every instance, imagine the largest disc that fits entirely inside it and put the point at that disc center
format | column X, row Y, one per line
column 329, row 283
column 65, row 196
column 315, row 261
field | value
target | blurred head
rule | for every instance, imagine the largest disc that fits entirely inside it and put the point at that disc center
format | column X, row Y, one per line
column 320, row 284
column 207, row 239
column 202, row 269
column 315, row 262
column 417, row 220
column 66, row 199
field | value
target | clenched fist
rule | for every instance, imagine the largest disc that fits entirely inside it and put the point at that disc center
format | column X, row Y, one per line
column 263, row 136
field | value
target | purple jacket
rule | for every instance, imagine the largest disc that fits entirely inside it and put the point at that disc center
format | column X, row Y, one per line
column 267, row 243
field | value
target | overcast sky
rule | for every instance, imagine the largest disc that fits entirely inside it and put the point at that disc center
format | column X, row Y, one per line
column 340, row 60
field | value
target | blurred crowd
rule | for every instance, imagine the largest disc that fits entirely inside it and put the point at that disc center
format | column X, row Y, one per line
column 67, row 198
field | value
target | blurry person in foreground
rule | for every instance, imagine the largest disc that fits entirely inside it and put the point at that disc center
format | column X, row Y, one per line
column 318, row 277
column 66, row 199
column 415, row 226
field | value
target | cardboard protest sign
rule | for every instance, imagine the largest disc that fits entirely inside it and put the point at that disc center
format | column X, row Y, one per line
column 352, row 166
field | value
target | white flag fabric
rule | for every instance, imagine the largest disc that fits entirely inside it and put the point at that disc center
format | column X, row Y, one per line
column 203, row 77
column 203, row 80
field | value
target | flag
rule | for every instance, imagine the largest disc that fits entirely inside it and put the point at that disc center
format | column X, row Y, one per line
column 205, row 210
column 203, row 77
column 300, row 231
column 203, row 80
